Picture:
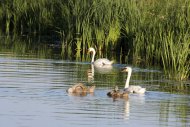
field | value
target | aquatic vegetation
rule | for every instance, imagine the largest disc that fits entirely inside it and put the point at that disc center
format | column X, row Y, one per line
column 175, row 56
column 17, row 46
column 148, row 31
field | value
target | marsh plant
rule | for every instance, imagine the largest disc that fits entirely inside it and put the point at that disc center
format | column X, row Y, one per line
column 150, row 32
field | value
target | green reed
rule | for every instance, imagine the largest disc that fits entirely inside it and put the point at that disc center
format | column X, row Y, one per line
column 175, row 55
column 155, row 26
column 148, row 31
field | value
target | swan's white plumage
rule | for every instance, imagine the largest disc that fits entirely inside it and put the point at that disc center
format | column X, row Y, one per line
column 135, row 89
column 102, row 62
column 99, row 62
column 132, row 88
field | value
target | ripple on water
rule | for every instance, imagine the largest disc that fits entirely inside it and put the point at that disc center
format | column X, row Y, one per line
column 33, row 93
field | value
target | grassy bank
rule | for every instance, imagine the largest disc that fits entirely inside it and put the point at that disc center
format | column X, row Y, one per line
column 149, row 32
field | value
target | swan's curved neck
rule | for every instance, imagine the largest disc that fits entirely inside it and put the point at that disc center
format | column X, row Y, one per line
column 128, row 79
column 93, row 56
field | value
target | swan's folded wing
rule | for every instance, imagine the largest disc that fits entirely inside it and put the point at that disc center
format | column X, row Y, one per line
column 102, row 62
column 136, row 89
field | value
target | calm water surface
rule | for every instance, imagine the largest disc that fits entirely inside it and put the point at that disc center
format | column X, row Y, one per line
column 33, row 94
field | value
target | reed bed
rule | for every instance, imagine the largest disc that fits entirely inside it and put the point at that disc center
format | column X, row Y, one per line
column 150, row 32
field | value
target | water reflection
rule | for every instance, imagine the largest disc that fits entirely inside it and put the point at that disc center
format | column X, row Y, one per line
column 104, row 69
column 126, row 110
column 33, row 93
column 80, row 94
column 90, row 73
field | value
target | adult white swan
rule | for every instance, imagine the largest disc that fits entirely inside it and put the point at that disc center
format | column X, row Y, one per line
column 99, row 62
column 132, row 88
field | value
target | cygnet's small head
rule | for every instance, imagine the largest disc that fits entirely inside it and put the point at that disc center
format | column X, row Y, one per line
column 70, row 90
column 127, row 69
column 116, row 88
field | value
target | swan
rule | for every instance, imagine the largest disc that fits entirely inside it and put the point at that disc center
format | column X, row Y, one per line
column 99, row 62
column 132, row 88
column 115, row 93
column 80, row 89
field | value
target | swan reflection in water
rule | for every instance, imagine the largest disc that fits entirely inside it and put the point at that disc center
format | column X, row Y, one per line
column 126, row 99
column 106, row 69
column 90, row 74
column 101, row 70
column 126, row 110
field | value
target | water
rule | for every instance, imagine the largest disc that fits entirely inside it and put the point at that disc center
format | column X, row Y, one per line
column 33, row 93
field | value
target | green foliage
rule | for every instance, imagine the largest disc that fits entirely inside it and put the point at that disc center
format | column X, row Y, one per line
column 154, row 32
